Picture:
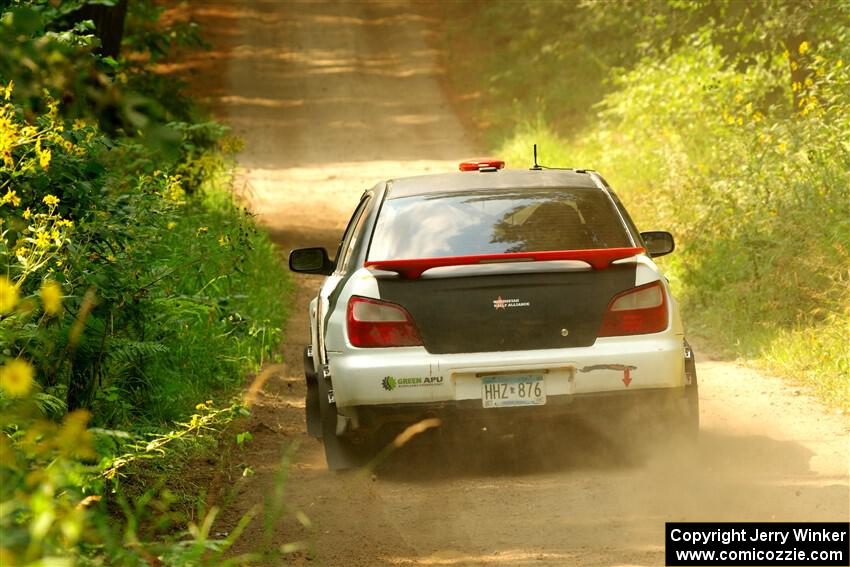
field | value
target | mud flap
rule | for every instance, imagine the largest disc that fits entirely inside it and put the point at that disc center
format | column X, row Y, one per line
column 314, row 418
column 692, row 389
column 341, row 453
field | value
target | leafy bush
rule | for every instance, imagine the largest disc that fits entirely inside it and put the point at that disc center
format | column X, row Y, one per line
column 155, row 278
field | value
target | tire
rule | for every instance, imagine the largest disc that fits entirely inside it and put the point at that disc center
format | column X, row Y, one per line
column 311, row 403
column 341, row 453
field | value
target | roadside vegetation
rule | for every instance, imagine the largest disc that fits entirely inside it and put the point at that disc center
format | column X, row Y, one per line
column 135, row 293
column 725, row 122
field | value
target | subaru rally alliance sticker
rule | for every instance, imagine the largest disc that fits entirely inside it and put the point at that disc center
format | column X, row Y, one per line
column 500, row 303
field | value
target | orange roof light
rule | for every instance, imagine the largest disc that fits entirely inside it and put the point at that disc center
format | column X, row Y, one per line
column 479, row 164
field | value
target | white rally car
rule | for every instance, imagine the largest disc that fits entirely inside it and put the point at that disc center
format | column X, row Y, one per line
column 494, row 296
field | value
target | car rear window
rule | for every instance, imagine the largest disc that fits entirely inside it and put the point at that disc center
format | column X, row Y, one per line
column 496, row 222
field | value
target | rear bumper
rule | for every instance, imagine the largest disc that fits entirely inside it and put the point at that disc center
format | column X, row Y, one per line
column 360, row 377
column 599, row 409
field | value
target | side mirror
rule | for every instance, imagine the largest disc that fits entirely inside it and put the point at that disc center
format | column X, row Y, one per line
column 658, row 243
column 310, row 261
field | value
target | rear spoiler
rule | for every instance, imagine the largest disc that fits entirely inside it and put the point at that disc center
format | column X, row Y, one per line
column 599, row 259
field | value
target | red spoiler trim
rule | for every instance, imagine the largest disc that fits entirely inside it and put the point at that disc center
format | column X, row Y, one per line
column 598, row 259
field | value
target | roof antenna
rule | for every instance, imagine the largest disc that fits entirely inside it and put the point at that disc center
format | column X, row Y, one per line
column 536, row 166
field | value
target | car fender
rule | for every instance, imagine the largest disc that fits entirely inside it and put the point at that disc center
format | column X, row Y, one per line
column 647, row 272
column 362, row 282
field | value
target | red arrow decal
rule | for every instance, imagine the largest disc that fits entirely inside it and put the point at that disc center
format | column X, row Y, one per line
column 627, row 376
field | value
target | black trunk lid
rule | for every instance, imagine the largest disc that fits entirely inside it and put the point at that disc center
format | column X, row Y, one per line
column 509, row 311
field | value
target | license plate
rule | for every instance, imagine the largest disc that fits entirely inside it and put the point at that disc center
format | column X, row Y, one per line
column 515, row 390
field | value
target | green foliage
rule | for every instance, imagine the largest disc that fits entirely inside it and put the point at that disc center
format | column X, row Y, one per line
column 734, row 137
column 48, row 50
column 556, row 59
column 51, row 509
column 132, row 285
column 146, row 33
column 163, row 269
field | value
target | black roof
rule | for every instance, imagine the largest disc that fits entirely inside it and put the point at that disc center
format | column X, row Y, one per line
column 484, row 180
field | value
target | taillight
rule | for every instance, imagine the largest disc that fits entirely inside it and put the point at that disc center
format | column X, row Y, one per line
column 637, row 311
column 373, row 323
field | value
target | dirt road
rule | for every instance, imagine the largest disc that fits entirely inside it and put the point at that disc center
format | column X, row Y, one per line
column 332, row 97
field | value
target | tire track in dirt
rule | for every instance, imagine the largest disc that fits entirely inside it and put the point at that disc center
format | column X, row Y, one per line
column 331, row 98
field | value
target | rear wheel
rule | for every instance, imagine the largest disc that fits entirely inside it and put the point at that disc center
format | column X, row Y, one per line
column 341, row 453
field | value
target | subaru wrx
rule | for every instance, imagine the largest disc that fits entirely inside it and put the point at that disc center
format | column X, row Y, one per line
column 491, row 295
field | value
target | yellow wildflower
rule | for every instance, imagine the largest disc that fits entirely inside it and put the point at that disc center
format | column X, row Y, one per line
column 11, row 197
column 51, row 297
column 809, row 82
column 42, row 240
column 7, row 92
column 16, row 378
column 8, row 295
column 50, row 200
column 27, row 214
column 52, row 107
column 44, row 158
column 804, row 47
column 171, row 225
column 781, row 147
column 839, row 63
column 202, row 230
